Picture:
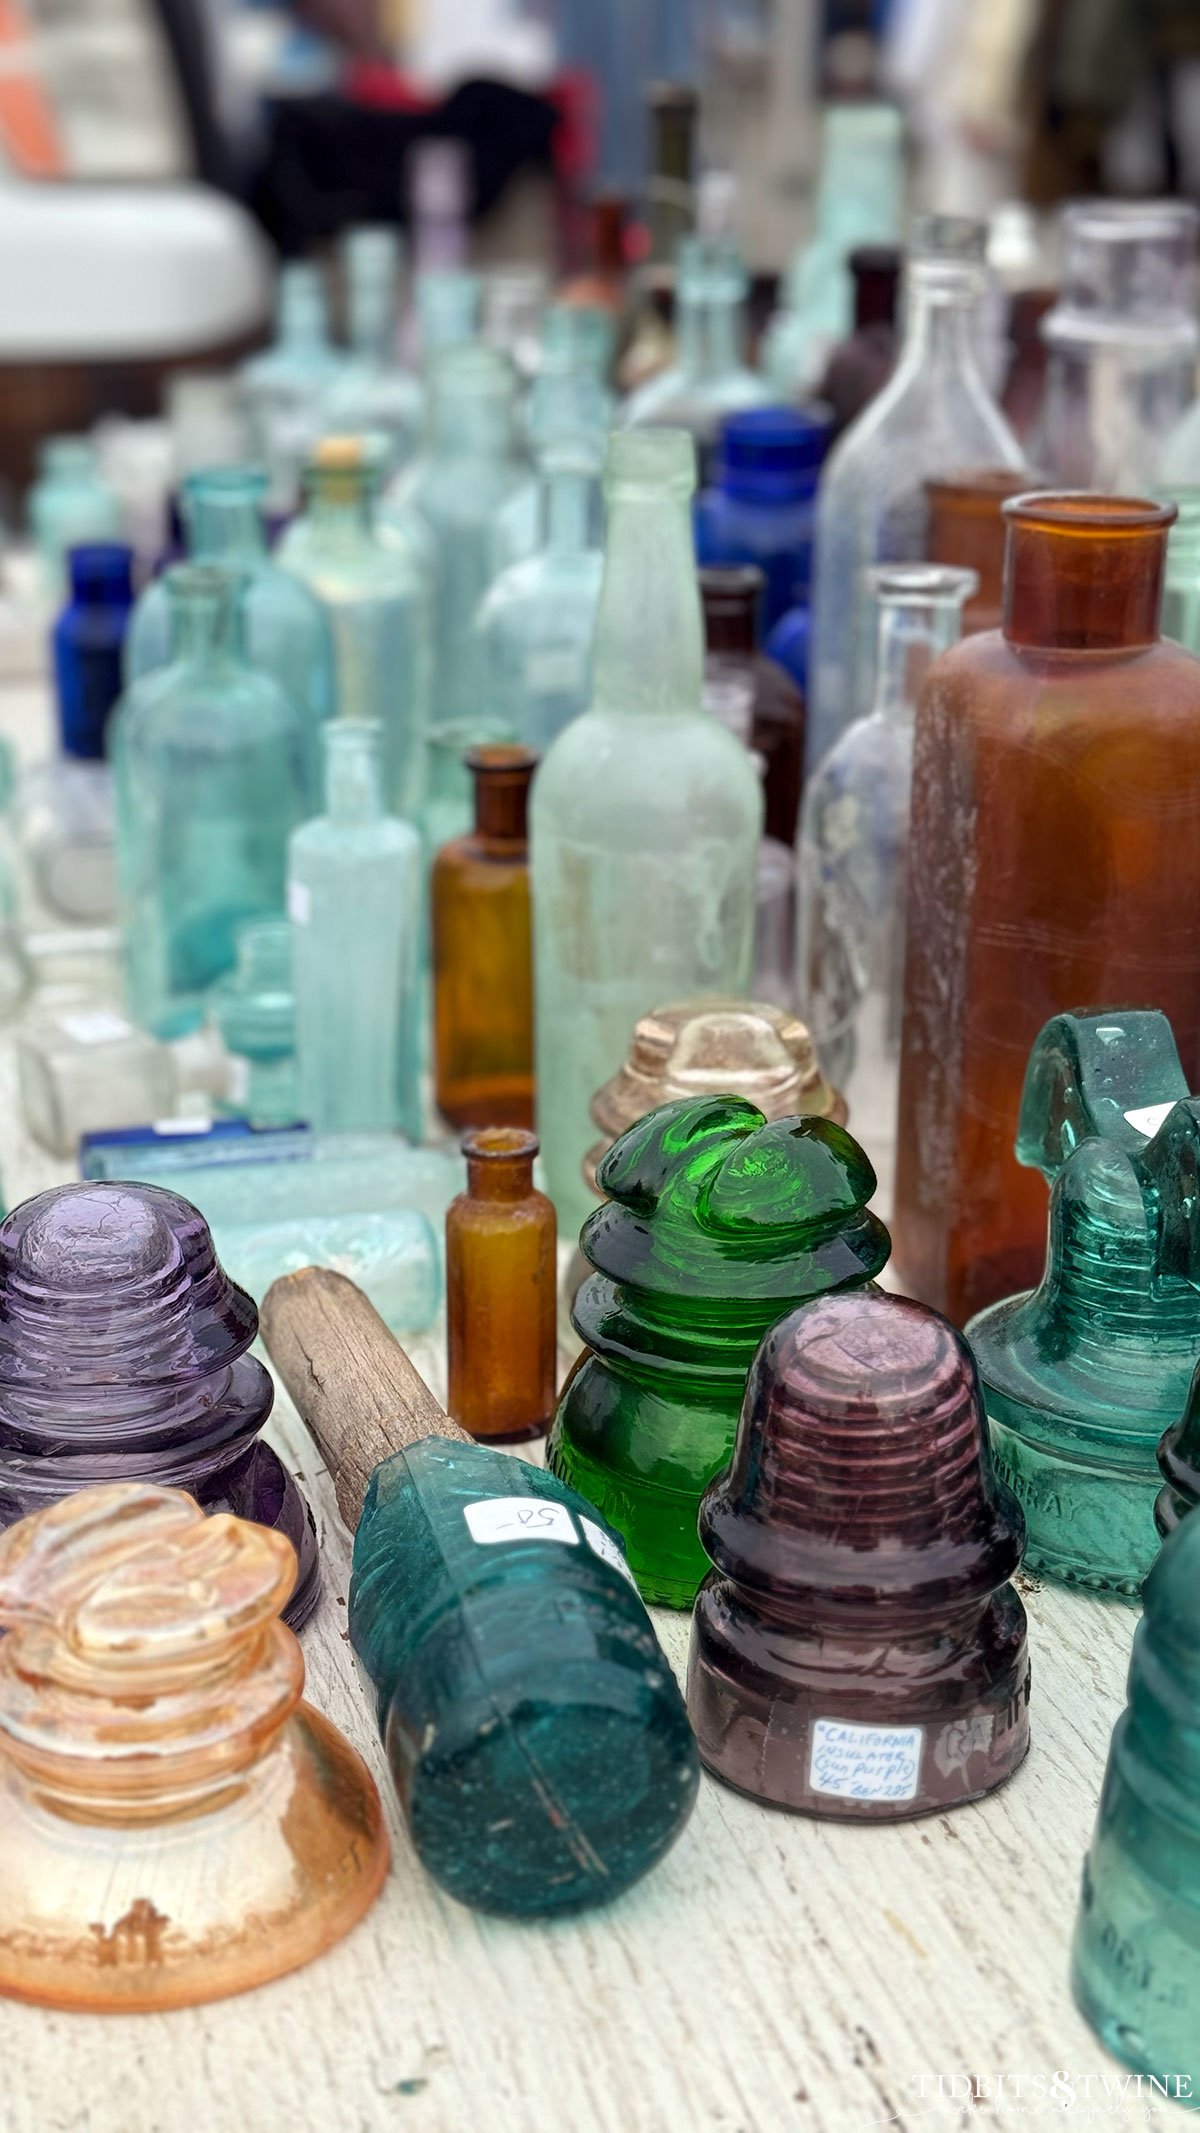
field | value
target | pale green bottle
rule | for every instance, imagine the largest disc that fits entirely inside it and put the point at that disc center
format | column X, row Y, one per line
column 1181, row 585
column 377, row 599
column 646, row 817
column 354, row 899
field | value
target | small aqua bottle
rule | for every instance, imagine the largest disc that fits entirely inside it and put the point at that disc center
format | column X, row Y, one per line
column 354, row 899
column 372, row 394
column 254, row 1011
column 210, row 771
column 285, row 629
column 284, row 390
column 68, row 503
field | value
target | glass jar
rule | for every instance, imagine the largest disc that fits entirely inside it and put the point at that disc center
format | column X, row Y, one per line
column 483, row 952
column 1054, row 850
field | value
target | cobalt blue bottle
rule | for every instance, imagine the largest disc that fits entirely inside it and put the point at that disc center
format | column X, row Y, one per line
column 89, row 638
column 760, row 506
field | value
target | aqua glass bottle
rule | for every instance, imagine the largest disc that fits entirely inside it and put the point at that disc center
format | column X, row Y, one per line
column 284, row 390
column 68, row 504
column 372, row 394
column 934, row 417
column 210, row 772
column 645, row 819
column 1135, row 1965
column 1181, row 585
column 710, row 377
column 853, row 851
column 254, row 1010
column 285, row 629
column 376, row 598
column 354, row 899
column 448, row 302
column 534, row 630
column 471, row 466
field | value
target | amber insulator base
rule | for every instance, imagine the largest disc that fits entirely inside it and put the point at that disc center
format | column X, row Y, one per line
column 501, row 1267
column 483, row 952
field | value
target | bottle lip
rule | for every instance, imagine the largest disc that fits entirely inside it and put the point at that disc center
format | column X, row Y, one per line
column 499, row 1144
column 209, row 484
column 979, row 492
column 1085, row 512
column 774, row 451
column 100, row 566
column 650, row 463
column 919, row 584
column 489, row 759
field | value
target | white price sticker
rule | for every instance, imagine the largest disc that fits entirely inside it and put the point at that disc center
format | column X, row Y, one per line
column 865, row 1762
column 519, row 1518
column 1149, row 1120
column 97, row 1025
column 603, row 1545
column 299, row 902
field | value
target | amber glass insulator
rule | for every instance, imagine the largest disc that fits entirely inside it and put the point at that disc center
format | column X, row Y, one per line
column 500, row 1291
column 1054, row 863
column 966, row 528
column 482, row 951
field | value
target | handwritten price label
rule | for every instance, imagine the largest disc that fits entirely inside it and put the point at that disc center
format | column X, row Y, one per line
column 865, row 1762
column 519, row 1518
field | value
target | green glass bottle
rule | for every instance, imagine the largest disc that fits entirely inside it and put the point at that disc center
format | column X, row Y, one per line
column 1082, row 1375
column 715, row 1225
column 1181, row 585
column 285, row 629
column 210, row 776
column 1136, row 1958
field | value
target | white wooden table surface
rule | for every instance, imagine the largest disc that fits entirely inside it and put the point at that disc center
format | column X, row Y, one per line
column 773, row 1974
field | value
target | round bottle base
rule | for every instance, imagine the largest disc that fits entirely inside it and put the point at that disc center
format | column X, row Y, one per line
column 1086, row 1524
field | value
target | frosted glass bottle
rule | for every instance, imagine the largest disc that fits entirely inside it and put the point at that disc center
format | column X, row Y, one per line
column 646, row 816
column 471, row 466
column 372, row 394
column 933, row 418
column 710, row 377
column 354, row 899
column 68, row 503
column 284, row 389
column 210, row 775
column 376, row 597
column 285, row 629
column 534, row 630
column 853, row 852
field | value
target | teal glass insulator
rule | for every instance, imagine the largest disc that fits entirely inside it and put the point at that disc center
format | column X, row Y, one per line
column 69, row 503
column 253, row 1009
column 715, row 1225
column 471, row 465
column 533, row 633
column 285, row 388
column 211, row 775
column 1136, row 1956
column 285, row 629
column 1181, row 585
column 535, row 1732
column 372, row 394
column 645, row 804
column 1082, row 1375
column 354, row 899
column 710, row 377
column 376, row 597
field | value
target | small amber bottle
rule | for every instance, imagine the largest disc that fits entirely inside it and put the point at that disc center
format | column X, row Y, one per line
column 482, row 952
column 500, row 1291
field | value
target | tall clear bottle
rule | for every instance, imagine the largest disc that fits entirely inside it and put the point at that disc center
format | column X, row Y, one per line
column 284, row 389
column 853, row 853
column 710, row 377
column 372, row 394
column 934, row 417
column 646, row 816
column 471, row 465
column 285, row 629
column 376, row 598
column 354, row 899
column 210, row 772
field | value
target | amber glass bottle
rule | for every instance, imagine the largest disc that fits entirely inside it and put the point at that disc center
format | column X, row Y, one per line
column 500, row 1282
column 482, row 953
column 753, row 694
column 1054, row 863
column 966, row 528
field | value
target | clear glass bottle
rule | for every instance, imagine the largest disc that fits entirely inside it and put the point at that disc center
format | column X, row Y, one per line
column 286, row 631
column 376, row 597
column 709, row 377
column 1054, row 861
column 69, row 503
column 533, row 632
column 646, row 817
column 254, row 1010
column 483, row 951
column 853, row 852
column 65, row 815
column 354, row 899
column 501, row 1272
column 284, row 390
column 471, row 466
column 89, row 1069
column 934, row 417
column 1121, row 347
column 210, row 770
column 860, row 201
column 372, row 394
column 1181, row 585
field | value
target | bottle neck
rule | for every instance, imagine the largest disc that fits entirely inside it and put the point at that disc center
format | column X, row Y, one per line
column 339, row 510
column 224, row 528
column 570, row 510
column 942, row 309
column 709, row 333
column 731, row 600
column 206, row 624
column 911, row 635
column 353, row 772
column 372, row 322
column 502, row 773
column 466, row 427
column 499, row 1162
column 1085, row 574
column 649, row 646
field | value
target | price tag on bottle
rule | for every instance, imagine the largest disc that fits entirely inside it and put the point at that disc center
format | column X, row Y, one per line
column 1149, row 1119
column 97, row 1025
column 865, row 1762
column 299, row 902
column 519, row 1518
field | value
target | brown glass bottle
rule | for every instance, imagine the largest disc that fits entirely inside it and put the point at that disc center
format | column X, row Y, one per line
column 500, row 1281
column 1054, row 863
column 861, row 364
column 752, row 693
column 482, row 951
column 1025, row 385
column 966, row 528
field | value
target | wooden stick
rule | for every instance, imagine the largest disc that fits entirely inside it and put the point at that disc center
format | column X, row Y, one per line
column 349, row 1378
